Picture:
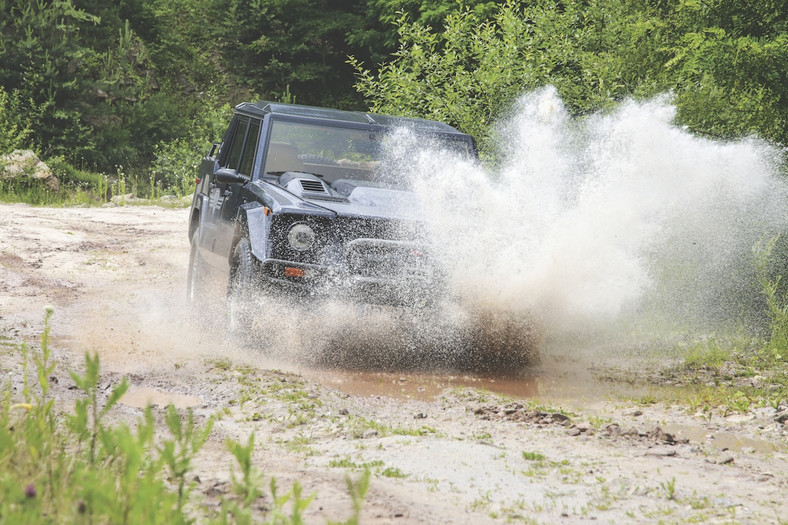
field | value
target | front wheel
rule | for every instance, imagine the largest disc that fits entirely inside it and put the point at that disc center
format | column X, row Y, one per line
column 197, row 274
column 241, row 292
column 503, row 343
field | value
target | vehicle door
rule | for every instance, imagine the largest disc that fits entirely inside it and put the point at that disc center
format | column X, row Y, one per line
column 224, row 199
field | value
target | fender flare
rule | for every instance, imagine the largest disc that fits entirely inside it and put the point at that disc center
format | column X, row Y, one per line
column 253, row 222
column 197, row 214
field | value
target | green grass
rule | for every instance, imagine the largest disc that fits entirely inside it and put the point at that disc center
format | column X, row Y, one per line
column 533, row 456
column 76, row 467
column 85, row 188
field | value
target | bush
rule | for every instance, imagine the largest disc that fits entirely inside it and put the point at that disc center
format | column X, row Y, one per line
column 17, row 121
column 176, row 162
column 776, row 296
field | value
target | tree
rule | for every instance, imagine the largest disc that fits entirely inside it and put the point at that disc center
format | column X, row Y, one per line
column 728, row 81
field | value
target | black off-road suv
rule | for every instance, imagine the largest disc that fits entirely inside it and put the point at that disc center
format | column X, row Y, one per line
column 312, row 202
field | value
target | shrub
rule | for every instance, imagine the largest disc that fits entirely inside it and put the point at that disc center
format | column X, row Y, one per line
column 17, row 121
column 176, row 162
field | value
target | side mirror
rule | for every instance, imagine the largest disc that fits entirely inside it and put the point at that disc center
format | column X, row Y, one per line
column 230, row 176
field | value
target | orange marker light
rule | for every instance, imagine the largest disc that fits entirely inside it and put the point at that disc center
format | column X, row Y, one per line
column 294, row 272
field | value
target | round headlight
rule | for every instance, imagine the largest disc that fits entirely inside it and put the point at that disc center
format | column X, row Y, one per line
column 301, row 237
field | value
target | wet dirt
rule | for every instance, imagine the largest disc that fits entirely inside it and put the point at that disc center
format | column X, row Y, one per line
column 550, row 444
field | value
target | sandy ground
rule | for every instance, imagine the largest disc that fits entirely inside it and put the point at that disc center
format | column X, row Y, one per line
column 551, row 445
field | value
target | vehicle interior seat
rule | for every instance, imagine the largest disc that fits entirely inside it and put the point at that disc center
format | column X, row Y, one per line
column 282, row 157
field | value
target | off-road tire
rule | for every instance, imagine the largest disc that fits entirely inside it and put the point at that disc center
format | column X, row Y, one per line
column 242, row 287
column 506, row 345
column 197, row 275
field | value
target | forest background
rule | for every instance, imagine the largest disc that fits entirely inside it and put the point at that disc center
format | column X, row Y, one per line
column 138, row 89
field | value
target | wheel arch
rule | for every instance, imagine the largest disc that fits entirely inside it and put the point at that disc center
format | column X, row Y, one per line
column 196, row 215
column 252, row 222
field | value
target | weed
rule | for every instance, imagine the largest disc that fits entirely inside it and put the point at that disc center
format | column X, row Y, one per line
column 597, row 422
column 776, row 298
column 533, row 456
column 358, row 491
column 393, row 472
column 80, row 469
column 483, row 501
column 347, row 463
column 177, row 453
column 698, row 503
column 738, row 402
column 669, row 488
column 709, row 354
column 647, row 399
column 77, row 469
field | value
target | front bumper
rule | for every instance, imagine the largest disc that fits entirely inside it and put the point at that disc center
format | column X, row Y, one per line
column 372, row 271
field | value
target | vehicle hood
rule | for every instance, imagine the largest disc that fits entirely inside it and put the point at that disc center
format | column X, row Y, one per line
column 373, row 202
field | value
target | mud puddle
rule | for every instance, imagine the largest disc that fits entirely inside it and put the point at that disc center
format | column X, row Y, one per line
column 719, row 440
column 421, row 386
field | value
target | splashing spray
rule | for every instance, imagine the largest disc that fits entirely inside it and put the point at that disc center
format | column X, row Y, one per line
column 620, row 215
column 586, row 226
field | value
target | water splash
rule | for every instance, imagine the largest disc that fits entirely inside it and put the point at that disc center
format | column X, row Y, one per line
column 621, row 219
column 589, row 220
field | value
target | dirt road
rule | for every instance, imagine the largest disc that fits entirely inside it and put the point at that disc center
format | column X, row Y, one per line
column 554, row 445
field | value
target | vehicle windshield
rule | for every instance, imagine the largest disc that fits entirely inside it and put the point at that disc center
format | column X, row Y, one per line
column 334, row 153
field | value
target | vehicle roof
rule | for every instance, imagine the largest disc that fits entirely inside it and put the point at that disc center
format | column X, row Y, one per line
column 263, row 108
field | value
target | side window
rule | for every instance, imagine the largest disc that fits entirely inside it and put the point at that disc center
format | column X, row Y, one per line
column 250, row 148
column 236, row 143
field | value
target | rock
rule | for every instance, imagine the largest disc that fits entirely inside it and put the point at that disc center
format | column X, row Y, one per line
column 23, row 163
column 511, row 408
column 419, row 415
column 128, row 198
column 725, row 460
column 559, row 417
column 740, row 418
column 661, row 451
column 369, row 434
column 637, row 413
column 782, row 417
column 574, row 431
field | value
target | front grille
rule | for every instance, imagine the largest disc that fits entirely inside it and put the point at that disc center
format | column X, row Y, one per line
column 377, row 258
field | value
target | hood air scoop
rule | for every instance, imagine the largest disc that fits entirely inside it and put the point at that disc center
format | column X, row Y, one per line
column 303, row 184
column 315, row 186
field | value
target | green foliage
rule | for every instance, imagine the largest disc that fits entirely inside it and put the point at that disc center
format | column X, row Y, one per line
column 710, row 353
column 82, row 469
column 176, row 162
column 302, row 44
column 776, row 297
column 470, row 74
column 178, row 452
column 78, row 471
column 101, row 84
column 17, row 122
column 726, row 66
column 358, row 492
column 43, row 61
column 533, row 456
